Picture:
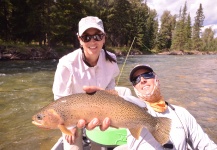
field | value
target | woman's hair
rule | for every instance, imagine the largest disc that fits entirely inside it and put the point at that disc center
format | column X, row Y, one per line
column 107, row 56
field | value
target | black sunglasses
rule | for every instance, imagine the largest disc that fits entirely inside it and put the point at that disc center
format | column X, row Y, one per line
column 96, row 37
column 147, row 75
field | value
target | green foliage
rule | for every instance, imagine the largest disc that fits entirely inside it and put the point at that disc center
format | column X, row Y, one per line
column 164, row 39
column 55, row 23
column 198, row 24
column 182, row 32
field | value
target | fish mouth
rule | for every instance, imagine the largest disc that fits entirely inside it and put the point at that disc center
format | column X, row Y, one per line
column 36, row 123
column 39, row 125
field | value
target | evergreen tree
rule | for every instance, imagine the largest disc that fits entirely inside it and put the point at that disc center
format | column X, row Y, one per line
column 164, row 39
column 117, row 22
column 208, row 40
column 177, row 34
column 64, row 17
column 152, row 29
column 188, row 41
column 181, row 31
column 5, row 18
column 198, row 24
column 141, row 15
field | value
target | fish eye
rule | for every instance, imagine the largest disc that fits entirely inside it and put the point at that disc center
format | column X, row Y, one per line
column 39, row 117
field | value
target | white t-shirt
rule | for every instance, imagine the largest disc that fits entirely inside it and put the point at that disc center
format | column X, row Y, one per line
column 189, row 127
column 72, row 74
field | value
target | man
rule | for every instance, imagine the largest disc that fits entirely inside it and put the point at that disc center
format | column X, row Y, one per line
column 185, row 132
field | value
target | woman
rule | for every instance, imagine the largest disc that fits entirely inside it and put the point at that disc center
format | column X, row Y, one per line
column 90, row 65
column 185, row 132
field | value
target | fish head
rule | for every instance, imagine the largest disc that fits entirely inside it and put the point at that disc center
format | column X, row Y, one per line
column 48, row 119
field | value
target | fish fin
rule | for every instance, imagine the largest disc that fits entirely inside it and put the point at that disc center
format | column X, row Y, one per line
column 64, row 129
column 61, row 125
column 135, row 132
column 162, row 130
column 57, row 116
column 53, row 112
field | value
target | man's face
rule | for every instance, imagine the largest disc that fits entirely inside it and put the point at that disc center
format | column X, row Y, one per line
column 145, row 86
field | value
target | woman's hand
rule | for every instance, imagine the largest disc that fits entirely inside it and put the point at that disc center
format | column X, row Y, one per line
column 71, row 138
column 91, row 89
column 94, row 123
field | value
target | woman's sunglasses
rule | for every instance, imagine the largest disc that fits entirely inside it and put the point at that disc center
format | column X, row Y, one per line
column 147, row 75
column 96, row 37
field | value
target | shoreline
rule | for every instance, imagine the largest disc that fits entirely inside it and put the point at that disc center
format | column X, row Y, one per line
column 43, row 53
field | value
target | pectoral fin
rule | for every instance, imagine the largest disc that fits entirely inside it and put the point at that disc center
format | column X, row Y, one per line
column 135, row 132
column 64, row 129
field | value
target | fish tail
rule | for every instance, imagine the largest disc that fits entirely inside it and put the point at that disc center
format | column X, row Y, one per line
column 162, row 130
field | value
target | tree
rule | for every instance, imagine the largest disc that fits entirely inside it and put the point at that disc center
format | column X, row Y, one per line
column 182, row 30
column 152, row 29
column 208, row 40
column 188, row 30
column 164, row 39
column 198, row 24
column 117, row 22
column 5, row 17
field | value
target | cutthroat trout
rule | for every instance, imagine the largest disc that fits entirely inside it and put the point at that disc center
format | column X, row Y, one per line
column 66, row 111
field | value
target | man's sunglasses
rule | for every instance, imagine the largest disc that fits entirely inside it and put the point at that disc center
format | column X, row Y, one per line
column 147, row 75
column 96, row 37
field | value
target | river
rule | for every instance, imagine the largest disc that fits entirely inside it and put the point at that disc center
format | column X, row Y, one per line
column 26, row 86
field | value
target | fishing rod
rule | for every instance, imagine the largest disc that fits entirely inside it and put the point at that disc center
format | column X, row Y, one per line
column 125, row 61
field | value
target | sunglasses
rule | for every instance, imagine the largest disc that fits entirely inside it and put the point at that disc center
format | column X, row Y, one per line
column 96, row 37
column 147, row 75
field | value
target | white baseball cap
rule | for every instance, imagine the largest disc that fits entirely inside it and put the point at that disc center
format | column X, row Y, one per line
column 90, row 22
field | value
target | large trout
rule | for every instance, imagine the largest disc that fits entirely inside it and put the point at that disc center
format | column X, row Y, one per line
column 66, row 111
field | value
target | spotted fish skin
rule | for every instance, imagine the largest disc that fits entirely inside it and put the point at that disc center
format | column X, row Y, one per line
column 66, row 112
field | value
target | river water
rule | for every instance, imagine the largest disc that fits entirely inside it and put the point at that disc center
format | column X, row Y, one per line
column 25, row 87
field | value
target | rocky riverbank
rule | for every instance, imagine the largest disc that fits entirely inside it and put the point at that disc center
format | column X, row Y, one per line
column 187, row 53
column 14, row 53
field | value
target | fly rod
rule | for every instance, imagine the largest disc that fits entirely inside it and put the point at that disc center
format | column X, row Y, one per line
column 125, row 61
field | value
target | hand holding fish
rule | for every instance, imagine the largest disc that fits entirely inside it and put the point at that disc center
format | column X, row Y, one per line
column 67, row 111
column 92, row 124
column 91, row 89
column 71, row 138
column 95, row 122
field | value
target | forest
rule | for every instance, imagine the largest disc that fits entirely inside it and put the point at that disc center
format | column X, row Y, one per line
column 54, row 23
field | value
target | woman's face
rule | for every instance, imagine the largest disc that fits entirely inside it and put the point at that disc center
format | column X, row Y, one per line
column 145, row 86
column 92, row 47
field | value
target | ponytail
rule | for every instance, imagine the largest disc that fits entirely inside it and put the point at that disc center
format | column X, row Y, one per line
column 107, row 56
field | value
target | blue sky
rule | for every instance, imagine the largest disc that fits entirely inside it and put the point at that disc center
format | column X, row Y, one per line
column 209, row 9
